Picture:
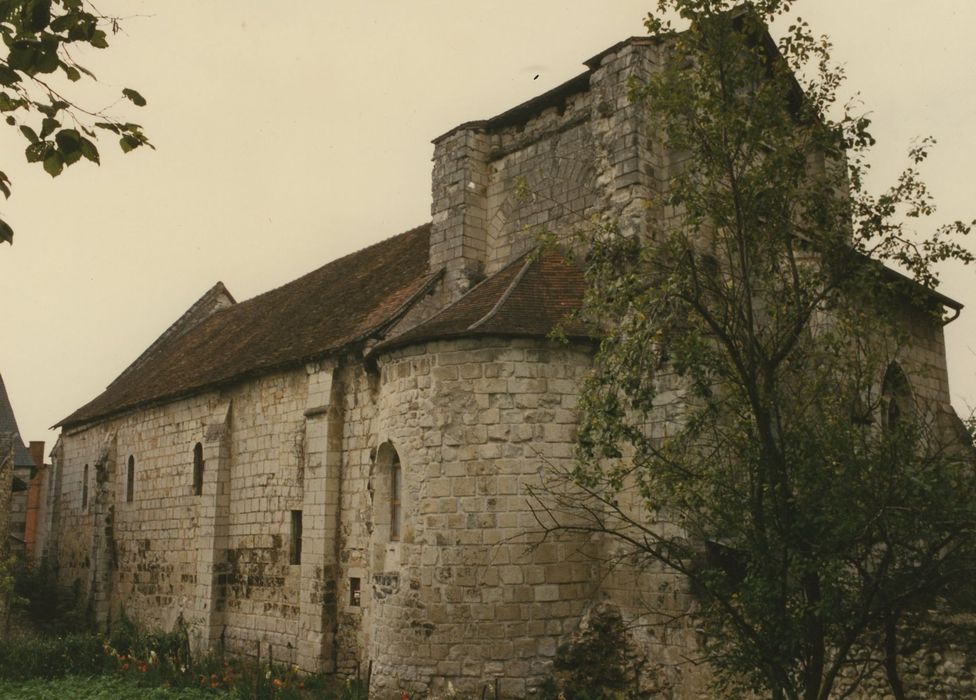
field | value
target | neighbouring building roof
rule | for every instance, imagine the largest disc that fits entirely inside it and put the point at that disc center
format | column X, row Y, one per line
column 8, row 425
column 531, row 296
column 343, row 302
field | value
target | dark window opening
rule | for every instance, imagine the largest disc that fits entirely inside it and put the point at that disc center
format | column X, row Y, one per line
column 395, row 509
column 84, row 488
column 897, row 404
column 355, row 593
column 296, row 537
column 130, row 481
column 198, row 469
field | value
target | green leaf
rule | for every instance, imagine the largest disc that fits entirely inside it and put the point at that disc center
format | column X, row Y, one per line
column 37, row 152
column 8, row 76
column 11, row 121
column 137, row 99
column 108, row 126
column 59, row 24
column 7, row 104
column 86, row 71
column 6, row 233
column 53, row 164
column 23, row 56
column 98, row 40
column 47, row 60
column 129, row 142
column 73, row 74
column 48, row 126
column 29, row 133
column 83, row 29
column 71, row 157
column 36, row 15
column 90, row 151
column 69, row 141
column 50, row 110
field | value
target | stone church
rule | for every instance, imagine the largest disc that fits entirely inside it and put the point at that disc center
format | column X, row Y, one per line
column 337, row 468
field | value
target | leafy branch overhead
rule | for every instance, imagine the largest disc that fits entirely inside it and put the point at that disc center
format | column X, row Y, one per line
column 41, row 40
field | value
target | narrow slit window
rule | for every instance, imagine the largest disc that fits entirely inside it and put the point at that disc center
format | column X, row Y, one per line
column 898, row 406
column 130, row 480
column 355, row 593
column 396, row 513
column 198, row 469
column 84, row 488
column 296, row 537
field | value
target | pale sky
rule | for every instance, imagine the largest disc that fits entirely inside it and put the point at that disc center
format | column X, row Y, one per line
column 289, row 134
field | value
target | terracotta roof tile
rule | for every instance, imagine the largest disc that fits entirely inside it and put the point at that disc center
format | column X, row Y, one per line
column 529, row 297
column 319, row 313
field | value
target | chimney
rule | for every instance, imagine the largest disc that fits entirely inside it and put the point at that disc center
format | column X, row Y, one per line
column 460, row 180
column 36, row 450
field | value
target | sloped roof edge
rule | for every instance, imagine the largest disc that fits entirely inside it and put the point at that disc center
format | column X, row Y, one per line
column 317, row 315
column 532, row 296
column 198, row 310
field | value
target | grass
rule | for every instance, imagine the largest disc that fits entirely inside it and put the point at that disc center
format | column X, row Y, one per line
column 97, row 688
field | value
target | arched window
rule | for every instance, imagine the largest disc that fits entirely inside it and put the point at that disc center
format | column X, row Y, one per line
column 84, row 487
column 897, row 404
column 130, row 480
column 386, row 483
column 197, row 469
column 396, row 486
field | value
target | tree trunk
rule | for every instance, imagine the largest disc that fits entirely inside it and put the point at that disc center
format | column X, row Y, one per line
column 891, row 656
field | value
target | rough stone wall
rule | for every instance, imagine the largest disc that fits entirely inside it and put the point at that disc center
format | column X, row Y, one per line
column 543, row 175
column 587, row 156
column 17, row 521
column 152, row 538
column 655, row 602
column 160, row 564
column 49, row 512
column 922, row 354
column 945, row 668
column 266, row 456
column 460, row 597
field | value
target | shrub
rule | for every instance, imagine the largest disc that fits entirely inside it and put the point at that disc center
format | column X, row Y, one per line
column 50, row 606
column 52, row 657
column 98, row 688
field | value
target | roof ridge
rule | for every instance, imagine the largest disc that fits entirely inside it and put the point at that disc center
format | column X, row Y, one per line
column 180, row 326
column 350, row 254
column 505, row 295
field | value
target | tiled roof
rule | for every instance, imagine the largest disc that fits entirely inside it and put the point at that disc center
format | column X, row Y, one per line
column 216, row 297
column 8, row 425
column 338, row 304
column 531, row 296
